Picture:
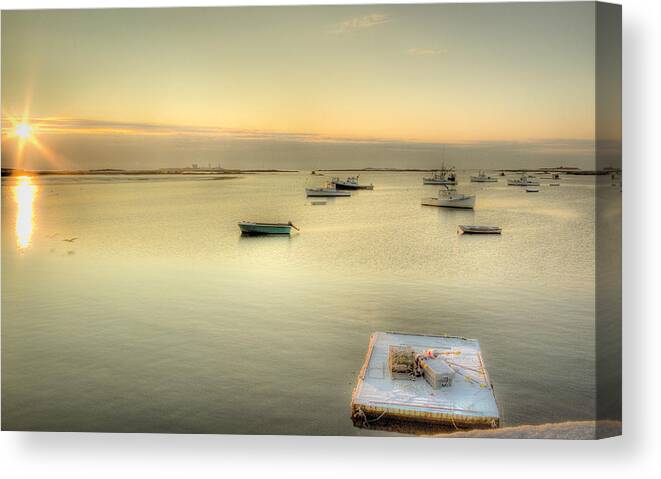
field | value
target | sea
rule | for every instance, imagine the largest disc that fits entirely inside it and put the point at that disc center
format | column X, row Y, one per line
column 131, row 303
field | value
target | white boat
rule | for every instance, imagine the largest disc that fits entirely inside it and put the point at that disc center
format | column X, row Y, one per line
column 441, row 177
column 524, row 180
column 450, row 199
column 532, row 189
column 482, row 177
column 326, row 191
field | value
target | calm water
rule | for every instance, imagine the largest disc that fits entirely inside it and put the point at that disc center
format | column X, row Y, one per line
column 160, row 317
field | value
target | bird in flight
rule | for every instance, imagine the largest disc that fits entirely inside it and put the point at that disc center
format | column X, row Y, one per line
column 71, row 240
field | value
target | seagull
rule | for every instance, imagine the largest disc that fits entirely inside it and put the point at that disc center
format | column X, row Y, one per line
column 71, row 240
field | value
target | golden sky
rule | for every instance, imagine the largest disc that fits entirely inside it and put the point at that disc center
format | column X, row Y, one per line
column 423, row 73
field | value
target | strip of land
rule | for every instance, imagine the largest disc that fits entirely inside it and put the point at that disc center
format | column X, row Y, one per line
column 113, row 171
column 223, row 171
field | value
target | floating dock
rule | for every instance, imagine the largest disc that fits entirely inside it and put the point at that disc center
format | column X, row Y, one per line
column 467, row 401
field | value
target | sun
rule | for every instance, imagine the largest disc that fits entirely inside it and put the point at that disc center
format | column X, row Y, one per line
column 26, row 139
column 23, row 130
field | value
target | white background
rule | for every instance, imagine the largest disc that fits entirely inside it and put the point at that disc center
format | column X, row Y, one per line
column 637, row 453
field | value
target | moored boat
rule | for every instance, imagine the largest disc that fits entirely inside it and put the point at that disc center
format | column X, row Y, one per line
column 250, row 228
column 524, row 180
column 482, row 177
column 532, row 189
column 326, row 191
column 480, row 229
column 441, row 177
column 351, row 183
column 450, row 199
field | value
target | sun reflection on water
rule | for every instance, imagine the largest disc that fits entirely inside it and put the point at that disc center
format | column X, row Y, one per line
column 25, row 193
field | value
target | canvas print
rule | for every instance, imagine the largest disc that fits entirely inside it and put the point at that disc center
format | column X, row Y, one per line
column 313, row 220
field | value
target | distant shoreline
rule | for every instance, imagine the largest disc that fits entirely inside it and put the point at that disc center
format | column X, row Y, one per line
column 113, row 171
column 570, row 170
column 195, row 171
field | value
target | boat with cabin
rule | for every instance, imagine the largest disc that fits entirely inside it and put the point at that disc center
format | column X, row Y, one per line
column 328, row 191
column 351, row 183
column 482, row 177
column 523, row 180
column 250, row 228
column 441, row 177
column 448, row 198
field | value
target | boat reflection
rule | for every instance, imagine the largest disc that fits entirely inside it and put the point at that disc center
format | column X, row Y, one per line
column 24, row 193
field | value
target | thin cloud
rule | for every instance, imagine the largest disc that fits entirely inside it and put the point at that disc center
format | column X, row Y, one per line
column 361, row 23
column 210, row 135
column 84, row 126
column 421, row 52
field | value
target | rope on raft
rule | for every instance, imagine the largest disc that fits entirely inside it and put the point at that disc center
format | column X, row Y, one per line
column 363, row 417
column 454, row 423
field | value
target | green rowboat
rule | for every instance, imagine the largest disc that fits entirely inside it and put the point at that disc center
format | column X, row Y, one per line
column 249, row 228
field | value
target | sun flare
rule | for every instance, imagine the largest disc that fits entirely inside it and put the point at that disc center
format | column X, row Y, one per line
column 23, row 130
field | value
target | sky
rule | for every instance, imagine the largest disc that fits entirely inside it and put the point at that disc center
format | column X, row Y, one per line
column 475, row 85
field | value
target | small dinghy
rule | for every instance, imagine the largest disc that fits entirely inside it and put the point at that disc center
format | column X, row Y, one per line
column 532, row 189
column 480, row 229
column 554, row 184
column 448, row 198
column 249, row 228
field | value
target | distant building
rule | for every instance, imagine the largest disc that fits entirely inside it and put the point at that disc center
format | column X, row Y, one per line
column 195, row 166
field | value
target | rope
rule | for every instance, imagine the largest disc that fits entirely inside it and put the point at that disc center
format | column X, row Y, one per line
column 366, row 422
column 455, row 367
column 453, row 423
